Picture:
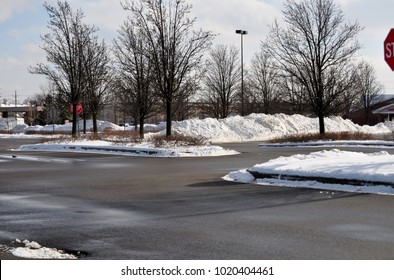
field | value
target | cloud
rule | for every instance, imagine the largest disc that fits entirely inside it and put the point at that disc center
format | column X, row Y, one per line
column 107, row 15
column 15, row 77
column 223, row 17
column 345, row 3
column 12, row 7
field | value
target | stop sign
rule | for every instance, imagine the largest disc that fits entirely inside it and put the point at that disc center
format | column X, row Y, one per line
column 79, row 108
column 389, row 49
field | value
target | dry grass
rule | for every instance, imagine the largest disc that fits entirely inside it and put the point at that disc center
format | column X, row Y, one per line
column 178, row 140
column 332, row 136
column 32, row 132
column 133, row 137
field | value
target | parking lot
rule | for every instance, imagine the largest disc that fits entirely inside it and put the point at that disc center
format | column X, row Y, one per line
column 118, row 207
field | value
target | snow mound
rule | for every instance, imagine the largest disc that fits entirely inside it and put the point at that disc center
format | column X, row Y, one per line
column 254, row 127
column 349, row 171
column 33, row 250
column 101, row 126
column 262, row 127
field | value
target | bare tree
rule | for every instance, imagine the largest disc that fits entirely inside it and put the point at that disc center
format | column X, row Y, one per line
column 135, row 73
column 221, row 80
column 368, row 89
column 316, row 48
column 64, row 48
column 96, row 62
column 183, row 103
column 173, row 47
column 264, row 79
column 292, row 94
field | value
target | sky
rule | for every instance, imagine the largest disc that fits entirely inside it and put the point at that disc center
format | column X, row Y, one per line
column 22, row 22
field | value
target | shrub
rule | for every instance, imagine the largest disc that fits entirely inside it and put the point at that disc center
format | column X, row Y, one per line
column 6, row 132
column 178, row 140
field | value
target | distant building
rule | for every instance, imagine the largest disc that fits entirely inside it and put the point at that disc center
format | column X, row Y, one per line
column 385, row 113
column 11, row 115
column 379, row 112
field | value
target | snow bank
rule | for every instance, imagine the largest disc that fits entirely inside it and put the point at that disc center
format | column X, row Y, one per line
column 372, row 167
column 374, row 171
column 101, row 126
column 255, row 127
column 261, row 127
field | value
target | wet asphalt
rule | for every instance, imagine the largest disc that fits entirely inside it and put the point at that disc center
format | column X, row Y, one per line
column 118, row 207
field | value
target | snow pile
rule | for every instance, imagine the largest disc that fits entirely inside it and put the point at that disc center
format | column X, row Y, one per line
column 255, row 127
column 101, row 126
column 261, row 127
column 33, row 250
column 374, row 170
column 143, row 149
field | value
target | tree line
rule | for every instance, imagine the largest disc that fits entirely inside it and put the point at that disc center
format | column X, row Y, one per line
column 159, row 62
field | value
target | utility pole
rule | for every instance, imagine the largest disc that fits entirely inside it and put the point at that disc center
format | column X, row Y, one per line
column 16, row 116
column 242, row 33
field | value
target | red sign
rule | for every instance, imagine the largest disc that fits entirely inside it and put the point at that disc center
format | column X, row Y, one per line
column 79, row 108
column 389, row 49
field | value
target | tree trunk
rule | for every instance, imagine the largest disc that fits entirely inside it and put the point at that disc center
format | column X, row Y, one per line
column 84, row 123
column 95, row 129
column 169, row 119
column 142, row 122
column 366, row 116
column 321, row 125
column 74, row 125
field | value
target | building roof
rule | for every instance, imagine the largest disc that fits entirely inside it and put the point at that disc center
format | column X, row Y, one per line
column 19, row 109
column 389, row 109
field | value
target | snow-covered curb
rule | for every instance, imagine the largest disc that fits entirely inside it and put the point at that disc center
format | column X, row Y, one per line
column 372, row 173
column 147, row 150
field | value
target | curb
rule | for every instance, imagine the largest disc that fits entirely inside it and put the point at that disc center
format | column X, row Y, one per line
column 324, row 180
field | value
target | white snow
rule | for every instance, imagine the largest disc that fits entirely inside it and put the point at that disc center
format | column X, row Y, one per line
column 376, row 170
column 144, row 149
column 261, row 127
column 33, row 250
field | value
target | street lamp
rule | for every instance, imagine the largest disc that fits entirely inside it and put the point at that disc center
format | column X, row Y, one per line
column 242, row 33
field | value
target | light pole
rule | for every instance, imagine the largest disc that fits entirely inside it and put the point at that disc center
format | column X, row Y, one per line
column 242, row 33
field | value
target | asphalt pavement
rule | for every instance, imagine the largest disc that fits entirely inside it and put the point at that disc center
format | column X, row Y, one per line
column 119, row 207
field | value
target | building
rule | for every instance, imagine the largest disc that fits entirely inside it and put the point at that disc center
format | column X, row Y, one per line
column 385, row 113
column 11, row 115
column 379, row 112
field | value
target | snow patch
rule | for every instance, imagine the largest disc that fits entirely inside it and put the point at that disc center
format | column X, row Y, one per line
column 33, row 250
column 374, row 170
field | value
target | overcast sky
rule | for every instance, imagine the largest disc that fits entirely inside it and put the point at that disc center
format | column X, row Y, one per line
column 22, row 22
